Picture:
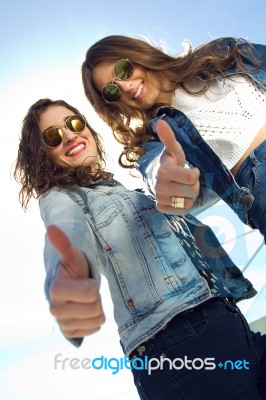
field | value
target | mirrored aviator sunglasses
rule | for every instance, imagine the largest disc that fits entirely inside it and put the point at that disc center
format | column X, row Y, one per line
column 53, row 136
column 123, row 70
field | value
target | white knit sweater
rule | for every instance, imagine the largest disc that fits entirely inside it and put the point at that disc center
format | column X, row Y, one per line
column 228, row 116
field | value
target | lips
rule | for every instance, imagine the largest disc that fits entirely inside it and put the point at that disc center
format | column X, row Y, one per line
column 138, row 92
column 74, row 150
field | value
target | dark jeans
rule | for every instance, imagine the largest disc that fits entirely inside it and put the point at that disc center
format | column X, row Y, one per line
column 209, row 353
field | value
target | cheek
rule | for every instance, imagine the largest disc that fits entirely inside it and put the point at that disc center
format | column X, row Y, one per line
column 91, row 141
column 97, row 85
column 139, row 70
column 54, row 155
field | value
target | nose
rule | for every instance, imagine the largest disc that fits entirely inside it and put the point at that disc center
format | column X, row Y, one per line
column 68, row 135
column 125, row 86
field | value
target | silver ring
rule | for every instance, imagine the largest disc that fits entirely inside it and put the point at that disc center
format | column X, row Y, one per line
column 178, row 202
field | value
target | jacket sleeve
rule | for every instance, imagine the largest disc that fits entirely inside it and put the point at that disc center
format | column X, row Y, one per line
column 57, row 208
column 148, row 164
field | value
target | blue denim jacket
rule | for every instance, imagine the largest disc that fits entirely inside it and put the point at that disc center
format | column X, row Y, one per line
column 151, row 278
column 215, row 177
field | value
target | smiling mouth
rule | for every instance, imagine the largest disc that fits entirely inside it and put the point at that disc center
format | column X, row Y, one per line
column 75, row 150
column 138, row 92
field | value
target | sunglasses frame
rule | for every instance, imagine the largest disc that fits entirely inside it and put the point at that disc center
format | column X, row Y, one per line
column 81, row 118
column 116, row 77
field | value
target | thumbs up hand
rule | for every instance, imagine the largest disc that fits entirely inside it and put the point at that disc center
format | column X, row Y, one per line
column 176, row 186
column 75, row 300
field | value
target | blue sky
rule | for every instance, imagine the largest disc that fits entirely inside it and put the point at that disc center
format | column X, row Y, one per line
column 42, row 45
column 35, row 33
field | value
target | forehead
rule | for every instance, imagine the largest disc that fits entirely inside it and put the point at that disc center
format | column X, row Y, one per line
column 54, row 115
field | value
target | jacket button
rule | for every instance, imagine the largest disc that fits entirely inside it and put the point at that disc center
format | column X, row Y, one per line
column 141, row 350
column 107, row 247
column 171, row 112
column 181, row 121
column 194, row 137
column 228, row 180
column 130, row 303
column 247, row 198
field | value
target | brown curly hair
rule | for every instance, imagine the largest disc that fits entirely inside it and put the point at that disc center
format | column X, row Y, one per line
column 34, row 169
column 205, row 62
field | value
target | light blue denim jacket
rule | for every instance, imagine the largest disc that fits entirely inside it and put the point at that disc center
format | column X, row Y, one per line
column 124, row 237
column 215, row 178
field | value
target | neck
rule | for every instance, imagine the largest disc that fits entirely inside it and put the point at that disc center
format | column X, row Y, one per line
column 166, row 98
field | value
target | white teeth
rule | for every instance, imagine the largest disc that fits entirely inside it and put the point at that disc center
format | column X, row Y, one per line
column 138, row 91
column 75, row 150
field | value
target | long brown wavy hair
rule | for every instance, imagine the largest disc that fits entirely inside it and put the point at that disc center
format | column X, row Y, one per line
column 34, row 169
column 204, row 62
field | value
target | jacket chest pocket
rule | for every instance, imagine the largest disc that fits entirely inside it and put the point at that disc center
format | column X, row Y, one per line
column 101, row 209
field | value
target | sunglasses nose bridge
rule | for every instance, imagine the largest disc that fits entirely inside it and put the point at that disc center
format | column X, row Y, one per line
column 124, row 85
column 68, row 134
